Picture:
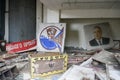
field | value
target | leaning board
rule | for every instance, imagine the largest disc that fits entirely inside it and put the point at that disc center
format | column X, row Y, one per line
column 47, row 64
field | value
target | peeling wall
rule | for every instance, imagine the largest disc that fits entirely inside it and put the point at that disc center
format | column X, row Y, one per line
column 75, row 33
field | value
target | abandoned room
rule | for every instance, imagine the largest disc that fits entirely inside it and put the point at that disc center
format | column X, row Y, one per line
column 59, row 39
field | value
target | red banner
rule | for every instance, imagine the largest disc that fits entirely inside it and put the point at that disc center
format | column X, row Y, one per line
column 22, row 46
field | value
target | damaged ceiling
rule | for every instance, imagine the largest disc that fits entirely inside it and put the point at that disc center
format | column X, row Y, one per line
column 81, row 4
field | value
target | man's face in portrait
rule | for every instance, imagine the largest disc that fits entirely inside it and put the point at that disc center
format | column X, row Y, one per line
column 98, row 33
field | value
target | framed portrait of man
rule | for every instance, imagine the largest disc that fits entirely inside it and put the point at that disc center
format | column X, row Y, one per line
column 98, row 36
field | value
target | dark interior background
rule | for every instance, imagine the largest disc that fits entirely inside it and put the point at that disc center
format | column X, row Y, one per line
column 22, row 20
column 2, row 19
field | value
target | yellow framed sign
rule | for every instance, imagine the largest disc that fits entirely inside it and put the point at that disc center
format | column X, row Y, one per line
column 47, row 64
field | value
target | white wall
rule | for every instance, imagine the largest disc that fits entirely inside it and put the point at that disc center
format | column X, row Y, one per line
column 39, row 14
column 75, row 33
column 91, row 13
column 76, row 19
column 51, row 16
column 45, row 15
